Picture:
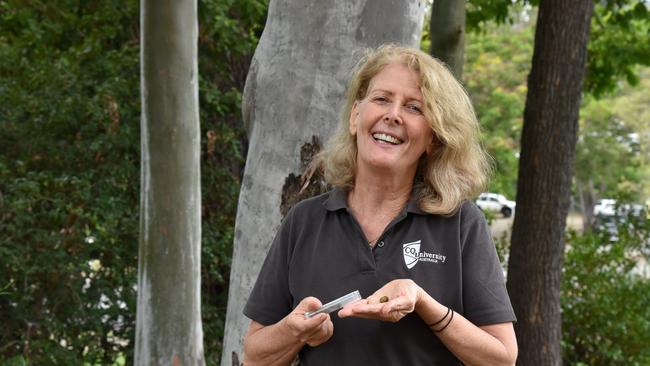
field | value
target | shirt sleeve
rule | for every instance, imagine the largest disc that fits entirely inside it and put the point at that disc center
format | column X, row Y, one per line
column 485, row 297
column 271, row 300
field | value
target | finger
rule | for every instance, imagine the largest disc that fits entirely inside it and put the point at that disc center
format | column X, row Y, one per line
column 315, row 321
column 361, row 310
column 306, row 328
column 348, row 310
column 390, row 311
column 345, row 312
column 364, row 307
column 309, row 304
column 326, row 331
column 321, row 331
column 302, row 325
column 319, row 328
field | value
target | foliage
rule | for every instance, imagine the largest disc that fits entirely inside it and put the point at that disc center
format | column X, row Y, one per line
column 482, row 14
column 605, row 293
column 497, row 63
column 612, row 148
column 619, row 40
column 632, row 107
column 605, row 296
column 69, row 181
column 612, row 156
column 69, row 173
column 608, row 154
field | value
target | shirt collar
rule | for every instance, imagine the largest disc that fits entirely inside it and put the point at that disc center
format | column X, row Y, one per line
column 414, row 207
column 338, row 199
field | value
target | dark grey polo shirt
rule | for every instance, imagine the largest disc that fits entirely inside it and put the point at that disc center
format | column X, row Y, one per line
column 321, row 251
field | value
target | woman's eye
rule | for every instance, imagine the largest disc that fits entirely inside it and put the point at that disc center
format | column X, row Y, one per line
column 414, row 108
column 380, row 99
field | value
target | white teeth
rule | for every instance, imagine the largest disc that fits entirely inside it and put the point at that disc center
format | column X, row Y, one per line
column 386, row 138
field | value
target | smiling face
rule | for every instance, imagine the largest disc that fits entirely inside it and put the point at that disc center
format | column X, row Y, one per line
column 390, row 128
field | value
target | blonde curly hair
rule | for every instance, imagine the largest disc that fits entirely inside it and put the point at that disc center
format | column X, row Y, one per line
column 457, row 169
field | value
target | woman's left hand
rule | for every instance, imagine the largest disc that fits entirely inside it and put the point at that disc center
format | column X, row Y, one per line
column 401, row 295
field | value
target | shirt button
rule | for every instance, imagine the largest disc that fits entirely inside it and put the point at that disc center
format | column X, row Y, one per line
column 380, row 244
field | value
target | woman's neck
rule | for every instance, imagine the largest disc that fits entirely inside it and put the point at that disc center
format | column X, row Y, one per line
column 374, row 207
column 374, row 196
column 377, row 189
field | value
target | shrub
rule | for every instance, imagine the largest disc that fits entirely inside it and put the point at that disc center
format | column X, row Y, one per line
column 605, row 296
column 69, row 173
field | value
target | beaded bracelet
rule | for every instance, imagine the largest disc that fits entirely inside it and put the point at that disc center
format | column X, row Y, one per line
column 446, row 325
column 440, row 321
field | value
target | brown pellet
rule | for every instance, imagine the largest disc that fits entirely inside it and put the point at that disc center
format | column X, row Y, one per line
column 383, row 299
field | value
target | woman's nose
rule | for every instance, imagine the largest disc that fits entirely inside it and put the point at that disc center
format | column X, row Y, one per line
column 393, row 114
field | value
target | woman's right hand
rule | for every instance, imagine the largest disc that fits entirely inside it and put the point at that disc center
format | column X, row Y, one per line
column 312, row 331
column 279, row 343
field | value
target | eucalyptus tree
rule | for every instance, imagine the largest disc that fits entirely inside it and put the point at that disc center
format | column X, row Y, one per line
column 168, row 320
column 293, row 94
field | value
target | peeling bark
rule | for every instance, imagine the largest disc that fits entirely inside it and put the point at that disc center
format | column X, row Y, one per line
column 309, row 184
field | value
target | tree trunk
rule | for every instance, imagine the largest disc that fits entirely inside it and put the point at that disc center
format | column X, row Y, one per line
column 168, row 325
column 545, row 169
column 293, row 95
column 587, row 202
column 447, row 33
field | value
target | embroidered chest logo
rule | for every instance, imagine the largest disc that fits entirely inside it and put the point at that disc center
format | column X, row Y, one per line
column 413, row 255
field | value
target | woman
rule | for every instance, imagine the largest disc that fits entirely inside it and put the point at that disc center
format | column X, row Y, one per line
column 398, row 226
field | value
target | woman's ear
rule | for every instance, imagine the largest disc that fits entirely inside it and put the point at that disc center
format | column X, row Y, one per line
column 432, row 146
column 354, row 113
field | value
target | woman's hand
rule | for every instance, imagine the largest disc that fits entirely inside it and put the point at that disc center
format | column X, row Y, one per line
column 279, row 343
column 313, row 331
column 399, row 299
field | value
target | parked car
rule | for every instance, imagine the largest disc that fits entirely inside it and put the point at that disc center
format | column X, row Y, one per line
column 605, row 207
column 611, row 216
column 609, row 207
column 496, row 202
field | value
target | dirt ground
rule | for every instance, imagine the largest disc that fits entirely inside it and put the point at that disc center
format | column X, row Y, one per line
column 503, row 226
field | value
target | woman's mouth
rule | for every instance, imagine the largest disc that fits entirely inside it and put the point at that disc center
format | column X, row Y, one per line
column 382, row 137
